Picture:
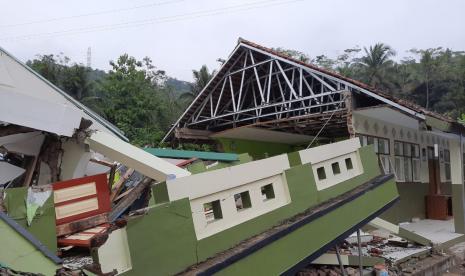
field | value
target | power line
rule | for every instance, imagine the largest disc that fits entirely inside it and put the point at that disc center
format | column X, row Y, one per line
column 156, row 4
column 159, row 20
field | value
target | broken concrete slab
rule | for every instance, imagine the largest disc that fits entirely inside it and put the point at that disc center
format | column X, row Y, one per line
column 134, row 157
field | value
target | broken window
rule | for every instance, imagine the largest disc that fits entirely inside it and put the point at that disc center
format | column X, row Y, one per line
column 242, row 201
column 336, row 168
column 321, row 173
column 212, row 211
column 267, row 192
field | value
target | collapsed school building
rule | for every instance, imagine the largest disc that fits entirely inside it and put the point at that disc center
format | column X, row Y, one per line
column 305, row 158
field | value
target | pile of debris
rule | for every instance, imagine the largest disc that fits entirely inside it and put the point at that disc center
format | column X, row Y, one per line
column 67, row 196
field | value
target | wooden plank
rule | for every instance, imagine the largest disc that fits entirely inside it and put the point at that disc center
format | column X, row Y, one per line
column 30, row 171
column 119, row 185
column 188, row 133
column 129, row 199
column 80, row 225
column 112, row 166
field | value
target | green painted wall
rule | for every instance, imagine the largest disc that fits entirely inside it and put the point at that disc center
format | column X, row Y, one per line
column 279, row 256
column 200, row 167
column 43, row 225
column 304, row 195
column 457, row 208
column 19, row 254
column 165, row 241
column 294, row 158
column 370, row 169
column 411, row 203
column 162, row 242
column 160, row 193
column 257, row 149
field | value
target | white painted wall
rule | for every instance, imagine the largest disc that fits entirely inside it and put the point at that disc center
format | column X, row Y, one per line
column 74, row 161
column 115, row 253
column 207, row 183
column 324, row 156
column 397, row 128
column 232, row 216
column 223, row 184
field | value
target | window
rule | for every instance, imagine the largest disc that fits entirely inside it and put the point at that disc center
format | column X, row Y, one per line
column 212, row 211
column 447, row 164
column 382, row 149
column 407, row 161
column 463, row 165
column 242, row 200
column 267, row 192
column 349, row 165
column 335, row 167
column 321, row 173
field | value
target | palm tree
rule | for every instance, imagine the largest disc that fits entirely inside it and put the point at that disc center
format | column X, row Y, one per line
column 375, row 62
column 427, row 67
column 201, row 79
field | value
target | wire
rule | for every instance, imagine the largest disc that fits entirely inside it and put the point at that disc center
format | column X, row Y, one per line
column 327, row 121
column 156, row 4
column 173, row 18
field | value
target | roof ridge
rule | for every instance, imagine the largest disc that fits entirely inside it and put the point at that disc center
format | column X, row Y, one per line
column 363, row 85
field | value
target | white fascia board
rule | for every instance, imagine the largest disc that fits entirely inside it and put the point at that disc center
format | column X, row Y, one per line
column 134, row 157
column 207, row 183
column 329, row 151
column 38, row 114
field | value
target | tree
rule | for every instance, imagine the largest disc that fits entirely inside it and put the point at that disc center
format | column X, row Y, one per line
column 133, row 101
column 375, row 62
column 301, row 56
column 201, row 79
column 426, row 69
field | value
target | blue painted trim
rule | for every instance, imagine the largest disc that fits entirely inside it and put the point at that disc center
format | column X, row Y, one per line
column 188, row 154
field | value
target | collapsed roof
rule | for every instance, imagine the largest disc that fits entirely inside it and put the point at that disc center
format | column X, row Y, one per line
column 260, row 87
column 36, row 103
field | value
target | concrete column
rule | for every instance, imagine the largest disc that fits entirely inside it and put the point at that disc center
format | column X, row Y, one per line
column 75, row 158
column 458, row 205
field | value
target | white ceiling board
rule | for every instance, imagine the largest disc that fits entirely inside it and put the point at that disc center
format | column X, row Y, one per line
column 263, row 135
column 28, row 143
column 23, row 110
column 390, row 115
column 9, row 172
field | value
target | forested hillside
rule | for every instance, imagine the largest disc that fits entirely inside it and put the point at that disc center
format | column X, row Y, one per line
column 143, row 101
column 433, row 78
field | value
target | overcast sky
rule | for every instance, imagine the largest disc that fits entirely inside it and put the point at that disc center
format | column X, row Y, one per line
column 181, row 35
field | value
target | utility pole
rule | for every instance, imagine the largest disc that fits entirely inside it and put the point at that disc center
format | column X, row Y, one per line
column 89, row 57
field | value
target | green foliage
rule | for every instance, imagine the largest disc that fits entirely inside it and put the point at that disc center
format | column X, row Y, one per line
column 293, row 54
column 132, row 95
column 433, row 78
column 143, row 102
column 201, row 79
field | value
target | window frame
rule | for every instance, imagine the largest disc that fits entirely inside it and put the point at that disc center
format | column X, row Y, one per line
column 382, row 156
column 409, row 157
column 447, row 167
